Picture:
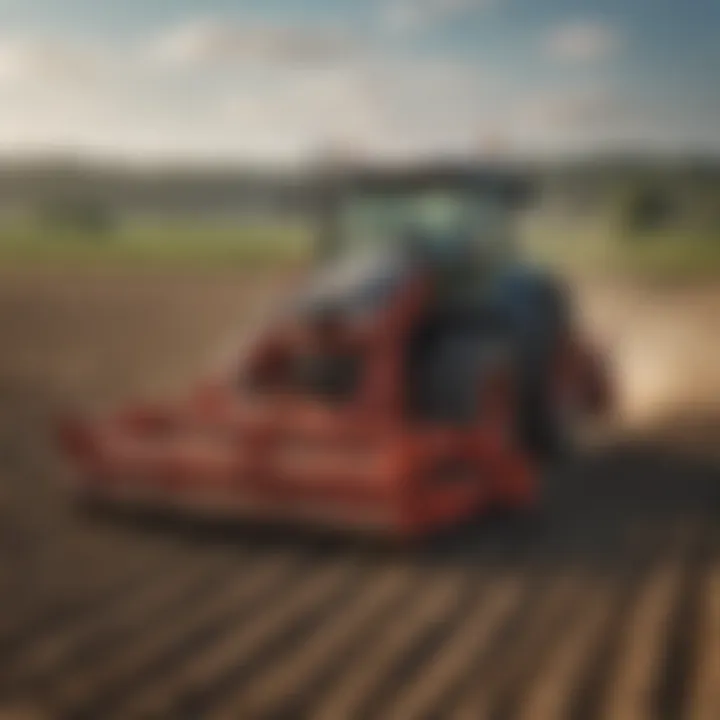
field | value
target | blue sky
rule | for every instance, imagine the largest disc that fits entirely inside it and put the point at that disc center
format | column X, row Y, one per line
column 278, row 79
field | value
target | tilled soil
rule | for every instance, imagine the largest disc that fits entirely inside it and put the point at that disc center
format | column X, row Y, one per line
column 605, row 604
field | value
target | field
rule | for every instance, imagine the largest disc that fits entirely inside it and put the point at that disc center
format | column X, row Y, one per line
column 156, row 244
column 598, row 248
column 605, row 605
column 590, row 248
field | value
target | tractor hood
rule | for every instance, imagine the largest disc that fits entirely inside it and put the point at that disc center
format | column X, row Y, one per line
column 353, row 286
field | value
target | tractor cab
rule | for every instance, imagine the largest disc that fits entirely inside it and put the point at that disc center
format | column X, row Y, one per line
column 408, row 266
column 455, row 223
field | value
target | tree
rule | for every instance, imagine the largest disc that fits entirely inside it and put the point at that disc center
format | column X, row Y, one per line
column 85, row 216
column 646, row 208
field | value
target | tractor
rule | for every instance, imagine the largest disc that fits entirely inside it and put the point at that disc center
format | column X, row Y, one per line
column 423, row 375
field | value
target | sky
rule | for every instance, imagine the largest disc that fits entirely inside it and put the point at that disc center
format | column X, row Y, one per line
column 280, row 80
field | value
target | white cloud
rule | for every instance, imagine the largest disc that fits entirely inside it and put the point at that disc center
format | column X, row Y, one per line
column 274, row 110
column 218, row 41
column 575, row 109
column 582, row 41
column 230, row 94
column 372, row 106
column 309, row 110
column 28, row 60
column 576, row 119
column 415, row 15
column 129, row 106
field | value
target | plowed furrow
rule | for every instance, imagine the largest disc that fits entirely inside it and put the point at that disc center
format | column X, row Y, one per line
column 99, row 632
column 446, row 668
column 109, row 583
column 550, row 693
column 523, row 649
column 131, row 669
column 642, row 652
column 278, row 690
column 703, row 700
column 198, row 678
column 428, row 610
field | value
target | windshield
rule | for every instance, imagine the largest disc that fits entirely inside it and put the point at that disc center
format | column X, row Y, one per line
column 353, row 283
column 443, row 219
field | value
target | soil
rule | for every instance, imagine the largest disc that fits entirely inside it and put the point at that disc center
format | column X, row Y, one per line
column 603, row 604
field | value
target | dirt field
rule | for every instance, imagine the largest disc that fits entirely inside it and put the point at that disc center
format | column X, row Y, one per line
column 607, row 605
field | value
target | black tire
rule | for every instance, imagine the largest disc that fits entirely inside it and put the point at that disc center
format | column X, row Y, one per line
column 546, row 427
column 550, row 425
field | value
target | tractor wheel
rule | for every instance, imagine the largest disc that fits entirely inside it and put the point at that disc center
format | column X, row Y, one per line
column 555, row 424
